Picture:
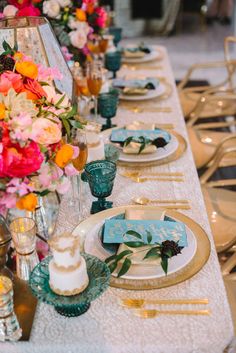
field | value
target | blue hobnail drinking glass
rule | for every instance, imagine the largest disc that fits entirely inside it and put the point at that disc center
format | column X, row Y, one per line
column 116, row 32
column 113, row 61
column 100, row 175
column 107, row 106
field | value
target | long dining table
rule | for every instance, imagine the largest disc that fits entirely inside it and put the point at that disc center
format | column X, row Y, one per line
column 107, row 327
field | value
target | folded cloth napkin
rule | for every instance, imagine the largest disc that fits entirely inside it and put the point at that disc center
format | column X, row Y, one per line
column 134, row 148
column 140, row 48
column 161, row 230
column 130, row 91
column 130, row 53
column 148, row 83
column 120, row 135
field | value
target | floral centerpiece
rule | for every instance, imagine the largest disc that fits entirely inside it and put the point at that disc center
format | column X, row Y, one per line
column 74, row 21
column 35, row 122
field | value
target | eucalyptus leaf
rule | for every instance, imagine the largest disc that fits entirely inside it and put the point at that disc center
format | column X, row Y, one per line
column 133, row 233
column 128, row 140
column 149, row 237
column 168, row 253
column 66, row 125
column 152, row 252
column 125, row 267
column 134, row 244
column 112, row 266
column 119, row 256
column 110, row 258
column 164, row 264
column 57, row 105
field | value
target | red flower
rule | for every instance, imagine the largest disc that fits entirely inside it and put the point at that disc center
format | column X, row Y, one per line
column 33, row 89
column 20, row 4
column 28, row 11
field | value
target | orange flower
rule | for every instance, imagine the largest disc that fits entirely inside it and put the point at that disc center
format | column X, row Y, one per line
column 64, row 156
column 2, row 111
column 90, row 8
column 81, row 15
column 18, row 56
column 27, row 68
column 27, row 202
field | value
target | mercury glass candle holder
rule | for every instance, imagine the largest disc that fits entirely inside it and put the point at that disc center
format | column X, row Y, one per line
column 9, row 325
column 116, row 32
column 23, row 232
column 107, row 106
column 100, row 175
column 113, row 61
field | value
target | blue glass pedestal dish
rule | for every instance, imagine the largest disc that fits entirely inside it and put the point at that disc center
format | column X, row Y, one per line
column 75, row 305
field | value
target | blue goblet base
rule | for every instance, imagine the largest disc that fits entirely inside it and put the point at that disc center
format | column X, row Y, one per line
column 98, row 206
column 73, row 311
column 108, row 126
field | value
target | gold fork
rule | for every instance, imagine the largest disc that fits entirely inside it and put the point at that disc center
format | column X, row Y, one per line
column 152, row 313
column 144, row 179
column 140, row 174
column 150, row 109
column 139, row 303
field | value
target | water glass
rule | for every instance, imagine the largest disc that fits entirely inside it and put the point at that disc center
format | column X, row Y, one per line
column 117, row 34
column 23, row 232
column 107, row 106
column 113, row 61
column 100, row 175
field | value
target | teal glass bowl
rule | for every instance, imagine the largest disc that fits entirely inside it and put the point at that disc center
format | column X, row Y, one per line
column 116, row 32
column 113, row 62
column 100, row 175
column 107, row 106
column 75, row 305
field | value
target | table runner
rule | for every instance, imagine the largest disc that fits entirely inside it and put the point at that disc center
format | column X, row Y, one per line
column 109, row 328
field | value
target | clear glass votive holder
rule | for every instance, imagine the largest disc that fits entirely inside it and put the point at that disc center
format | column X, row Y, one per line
column 23, row 232
column 9, row 325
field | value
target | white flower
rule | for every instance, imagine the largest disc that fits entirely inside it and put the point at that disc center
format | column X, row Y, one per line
column 64, row 3
column 10, row 11
column 18, row 103
column 79, row 36
column 51, row 8
column 54, row 97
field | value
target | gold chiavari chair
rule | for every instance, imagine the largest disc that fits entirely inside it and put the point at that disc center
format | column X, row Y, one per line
column 193, row 100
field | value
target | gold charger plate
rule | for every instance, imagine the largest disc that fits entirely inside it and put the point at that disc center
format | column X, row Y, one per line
column 182, row 145
column 199, row 260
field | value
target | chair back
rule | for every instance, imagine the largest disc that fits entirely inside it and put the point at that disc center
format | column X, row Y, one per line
column 230, row 58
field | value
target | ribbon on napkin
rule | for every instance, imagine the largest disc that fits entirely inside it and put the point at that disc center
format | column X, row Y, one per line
column 120, row 135
column 161, row 230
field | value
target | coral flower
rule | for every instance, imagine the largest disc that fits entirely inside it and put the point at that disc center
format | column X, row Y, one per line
column 80, row 15
column 64, row 156
column 2, row 111
column 33, row 89
column 9, row 80
column 27, row 202
column 16, row 161
column 27, row 68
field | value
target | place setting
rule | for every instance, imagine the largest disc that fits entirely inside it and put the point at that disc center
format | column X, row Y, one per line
column 141, row 53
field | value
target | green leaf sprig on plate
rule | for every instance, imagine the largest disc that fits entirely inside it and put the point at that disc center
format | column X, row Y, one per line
column 144, row 141
column 163, row 251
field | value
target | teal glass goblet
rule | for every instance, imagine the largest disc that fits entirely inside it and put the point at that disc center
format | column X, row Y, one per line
column 116, row 32
column 107, row 106
column 100, row 175
column 113, row 62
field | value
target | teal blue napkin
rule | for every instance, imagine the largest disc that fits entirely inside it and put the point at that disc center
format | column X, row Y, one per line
column 160, row 230
column 120, row 135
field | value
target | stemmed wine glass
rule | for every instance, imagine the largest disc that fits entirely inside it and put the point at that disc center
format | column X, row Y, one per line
column 78, row 138
column 94, row 81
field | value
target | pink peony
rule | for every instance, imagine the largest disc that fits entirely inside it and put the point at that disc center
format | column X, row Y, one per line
column 21, row 127
column 9, row 80
column 28, row 11
column 45, row 132
column 19, row 186
column 102, row 17
column 16, row 161
column 48, row 74
column 7, row 201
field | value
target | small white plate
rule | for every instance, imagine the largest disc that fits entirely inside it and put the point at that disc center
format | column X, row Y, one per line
column 93, row 246
column 154, row 55
column 152, row 93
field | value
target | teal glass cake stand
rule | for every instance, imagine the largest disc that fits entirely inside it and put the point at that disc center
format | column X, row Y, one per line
column 75, row 305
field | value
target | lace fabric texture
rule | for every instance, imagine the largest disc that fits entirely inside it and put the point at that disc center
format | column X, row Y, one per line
column 109, row 328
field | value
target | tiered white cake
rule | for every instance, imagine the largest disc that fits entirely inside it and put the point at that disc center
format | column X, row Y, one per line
column 67, row 270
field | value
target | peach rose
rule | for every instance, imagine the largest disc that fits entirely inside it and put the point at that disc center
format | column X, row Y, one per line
column 45, row 132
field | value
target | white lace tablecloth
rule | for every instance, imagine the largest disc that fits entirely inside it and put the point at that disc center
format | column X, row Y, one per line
column 109, row 328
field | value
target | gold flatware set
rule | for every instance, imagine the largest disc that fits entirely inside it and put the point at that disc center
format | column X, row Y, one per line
column 149, row 109
column 171, row 204
column 139, row 177
column 137, row 306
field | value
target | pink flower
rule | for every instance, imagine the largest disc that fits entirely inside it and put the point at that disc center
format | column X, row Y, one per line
column 21, row 187
column 7, row 201
column 76, row 151
column 68, row 56
column 28, row 11
column 64, row 185
column 21, row 127
column 16, row 161
column 70, row 170
column 48, row 74
column 1, row 16
column 45, row 132
column 19, row 3
column 101, row 18
column 10, row 11
column 45, row 176
column 9, row 80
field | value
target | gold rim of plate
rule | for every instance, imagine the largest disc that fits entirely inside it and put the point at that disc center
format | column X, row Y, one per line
column 194, row 266
column 182, row 146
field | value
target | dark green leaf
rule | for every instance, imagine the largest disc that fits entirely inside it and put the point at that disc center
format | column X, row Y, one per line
column 128, row 140
column 125, row 267
column 6, row 46
column 60, row 101
column 143, row 145
column 113, row 266
column 149, row 237
column 152, row 252
column 110, row 258
column 42, row 83
column 133, row 233
column 119, row 256
column 70, row 114
column 168, row 253
column 164, row 264
column 134, row 244
column 42, row 193
column 67, row 126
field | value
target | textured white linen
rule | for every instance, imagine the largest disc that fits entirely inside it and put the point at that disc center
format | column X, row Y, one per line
column 109, row 328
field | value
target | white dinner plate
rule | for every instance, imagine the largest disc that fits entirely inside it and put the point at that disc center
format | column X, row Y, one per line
column 154, row 55
column 93, row 246
column 152, row 93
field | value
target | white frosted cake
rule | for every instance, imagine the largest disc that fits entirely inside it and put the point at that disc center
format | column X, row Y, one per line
column 67, row 270
column 95, row 146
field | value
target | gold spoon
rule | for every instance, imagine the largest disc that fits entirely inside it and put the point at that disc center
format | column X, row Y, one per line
column 139, row 303
column 145, row 201
column 152, row 313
